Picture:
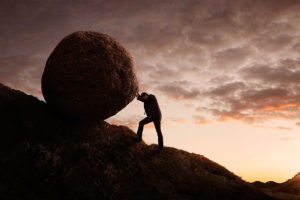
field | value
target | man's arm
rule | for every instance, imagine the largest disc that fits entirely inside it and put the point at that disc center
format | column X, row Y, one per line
column 139, row 97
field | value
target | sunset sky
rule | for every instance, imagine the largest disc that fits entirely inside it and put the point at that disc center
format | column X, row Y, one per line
column 225, row 72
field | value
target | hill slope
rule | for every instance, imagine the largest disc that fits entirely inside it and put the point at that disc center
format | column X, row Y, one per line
column 288, row 190
column 291, row 186
column 44, row 156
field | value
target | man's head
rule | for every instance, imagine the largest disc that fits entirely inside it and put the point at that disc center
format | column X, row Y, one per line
column 144, row 95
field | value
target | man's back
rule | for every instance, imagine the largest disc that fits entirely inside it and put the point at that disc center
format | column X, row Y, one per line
column 151, row 107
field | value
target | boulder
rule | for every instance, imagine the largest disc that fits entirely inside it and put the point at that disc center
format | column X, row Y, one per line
column 89, row 75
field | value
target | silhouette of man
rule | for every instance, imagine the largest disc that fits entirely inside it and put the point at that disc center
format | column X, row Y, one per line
column 153, row 115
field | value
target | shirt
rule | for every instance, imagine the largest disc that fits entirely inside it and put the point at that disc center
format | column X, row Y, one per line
column 151, row 106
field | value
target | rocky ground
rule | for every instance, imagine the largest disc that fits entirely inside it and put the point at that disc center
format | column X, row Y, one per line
column 44, row 156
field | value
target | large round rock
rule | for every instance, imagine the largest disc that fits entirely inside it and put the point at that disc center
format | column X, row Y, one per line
column 89, row 75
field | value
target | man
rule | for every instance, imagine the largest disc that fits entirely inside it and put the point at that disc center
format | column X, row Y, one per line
column 153, row 115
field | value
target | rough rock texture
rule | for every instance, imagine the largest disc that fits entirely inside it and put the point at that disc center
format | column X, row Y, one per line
column 45, row 157
column 89, row 75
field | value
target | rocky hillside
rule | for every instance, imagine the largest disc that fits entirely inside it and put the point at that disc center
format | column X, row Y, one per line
column 288, row 190
column 291, row 186
column 44, row 156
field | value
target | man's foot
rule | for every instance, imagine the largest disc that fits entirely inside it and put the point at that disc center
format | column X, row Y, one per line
column 160, row 147
column 139, row 140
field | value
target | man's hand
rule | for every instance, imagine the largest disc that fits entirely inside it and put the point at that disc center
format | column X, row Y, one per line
column 137, row 94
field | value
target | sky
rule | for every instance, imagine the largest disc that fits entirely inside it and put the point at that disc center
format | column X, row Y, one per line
column 226, row 73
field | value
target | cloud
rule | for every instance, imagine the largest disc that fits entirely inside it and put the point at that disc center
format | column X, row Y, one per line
column 288, row 72
column 200, row 120
column 253, row 105
column 177, row 92
column 161, row 73
column 22, row 72
column 240, row 57
column 226, row 89
column 267, row 92
column 231, row 58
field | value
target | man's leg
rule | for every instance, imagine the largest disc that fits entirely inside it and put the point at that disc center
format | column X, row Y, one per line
column 159, row 133
column 141, row 127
